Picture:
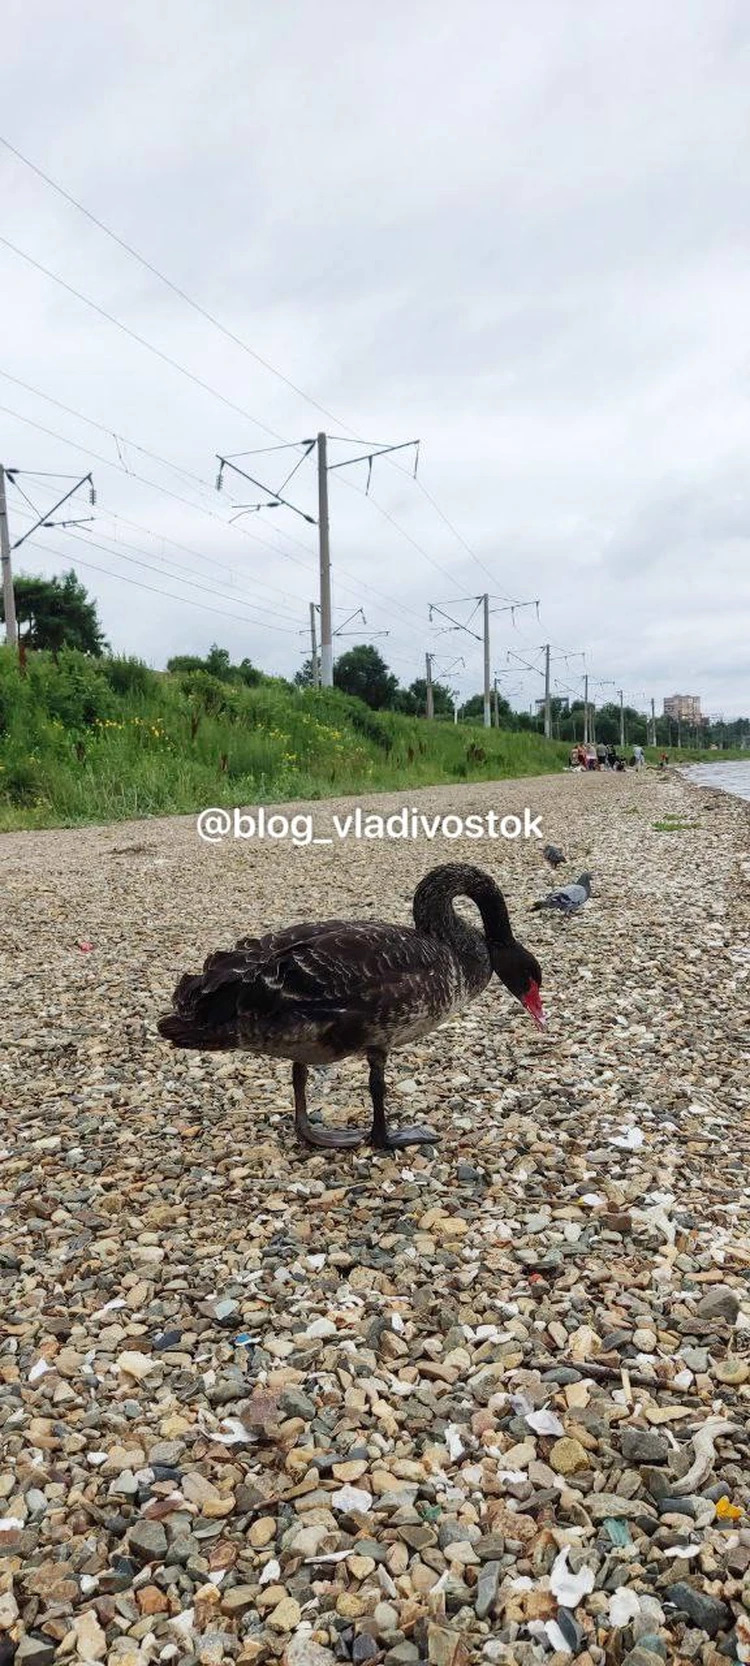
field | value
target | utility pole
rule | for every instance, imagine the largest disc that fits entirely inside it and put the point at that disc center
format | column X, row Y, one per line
column 586, row 709
column 314, row 647
column 497, row 709
column 622, row 718
column 486, row 635
column 9, row 600
column 458, row 625
column 326, row 629
column 430, row 703
column 653, row 724
column 274, row 500
column 6, row 548
column 547, row 706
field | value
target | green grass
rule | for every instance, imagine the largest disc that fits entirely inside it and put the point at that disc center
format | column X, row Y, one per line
column 96, row 741
column 674, row 824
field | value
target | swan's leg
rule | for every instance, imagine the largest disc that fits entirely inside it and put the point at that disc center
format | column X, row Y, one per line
column 334, row 1139
column 381, row 1136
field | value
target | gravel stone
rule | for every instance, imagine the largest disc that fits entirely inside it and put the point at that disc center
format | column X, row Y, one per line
column 261, row 1404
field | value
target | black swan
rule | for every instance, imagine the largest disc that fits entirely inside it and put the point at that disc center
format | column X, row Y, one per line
column 316, row 993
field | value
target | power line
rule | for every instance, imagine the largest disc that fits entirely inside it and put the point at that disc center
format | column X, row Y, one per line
column 112, row 434
column 166, row 491
column 230, row 335
column 133, row 560
column 175, row 288
column 154, row 485
column 155, row 590
column 134, row 336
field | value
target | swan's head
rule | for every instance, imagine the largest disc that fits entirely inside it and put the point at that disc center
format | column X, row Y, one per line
column 521, row 973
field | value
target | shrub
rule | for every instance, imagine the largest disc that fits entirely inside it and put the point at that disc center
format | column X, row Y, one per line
column 127, row 675
column 72, row 689
column 21, row 781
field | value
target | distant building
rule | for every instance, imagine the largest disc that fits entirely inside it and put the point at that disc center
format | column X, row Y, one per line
column 684, row 708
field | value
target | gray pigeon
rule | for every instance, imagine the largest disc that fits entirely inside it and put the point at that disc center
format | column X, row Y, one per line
column 553, row 855
column 569, row 898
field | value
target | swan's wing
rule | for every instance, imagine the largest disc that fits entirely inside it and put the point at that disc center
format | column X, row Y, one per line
column 315, row 973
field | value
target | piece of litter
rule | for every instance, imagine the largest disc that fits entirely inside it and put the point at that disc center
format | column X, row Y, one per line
column 685, row 1551
column 569, row 1588
column 726, row 1511
column 624, row 1606
column 236, row 1434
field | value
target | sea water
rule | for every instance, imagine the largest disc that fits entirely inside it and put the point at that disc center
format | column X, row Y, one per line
column 731, row 777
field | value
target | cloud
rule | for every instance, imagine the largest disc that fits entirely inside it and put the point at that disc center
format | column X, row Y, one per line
column 517, row 233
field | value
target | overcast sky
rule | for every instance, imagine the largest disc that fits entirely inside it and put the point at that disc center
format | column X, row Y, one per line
column 518, row 232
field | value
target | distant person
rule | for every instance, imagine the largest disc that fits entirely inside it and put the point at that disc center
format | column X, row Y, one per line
column 601, row 755
column 664, row 760
column 639, row 758
column 591, row 759
column 612, row 757
column 582, row 757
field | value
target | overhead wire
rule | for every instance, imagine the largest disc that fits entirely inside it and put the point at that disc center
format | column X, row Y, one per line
column 177, row 576
column 39, row 266
column 230, row 335
column 166, row 491
column 155, row 590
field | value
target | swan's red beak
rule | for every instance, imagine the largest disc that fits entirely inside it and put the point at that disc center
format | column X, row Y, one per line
column 532, row 1001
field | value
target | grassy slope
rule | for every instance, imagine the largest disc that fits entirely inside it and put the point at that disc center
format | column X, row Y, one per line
column 86, row 741
column 83, row 742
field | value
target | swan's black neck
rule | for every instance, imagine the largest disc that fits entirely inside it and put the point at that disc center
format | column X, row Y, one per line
column 435, row 915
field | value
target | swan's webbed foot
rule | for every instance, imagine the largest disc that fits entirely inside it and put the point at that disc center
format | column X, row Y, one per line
column 381, row 1136
column 394, row 1139
column 313, row 1133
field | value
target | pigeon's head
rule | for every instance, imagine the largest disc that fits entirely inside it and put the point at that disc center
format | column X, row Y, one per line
column 521, row 973
column 585, row 880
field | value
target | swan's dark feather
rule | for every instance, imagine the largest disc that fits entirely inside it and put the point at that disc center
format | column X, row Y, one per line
column 321, row 991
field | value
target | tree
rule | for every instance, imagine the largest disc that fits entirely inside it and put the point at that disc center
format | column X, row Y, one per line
column 363, row 672
column 304, row 677
column 218, row 664
column 441, row 698
column 55, row 613
column 405, row 702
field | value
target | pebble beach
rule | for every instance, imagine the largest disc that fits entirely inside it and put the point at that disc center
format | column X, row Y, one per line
column 487, row 1402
